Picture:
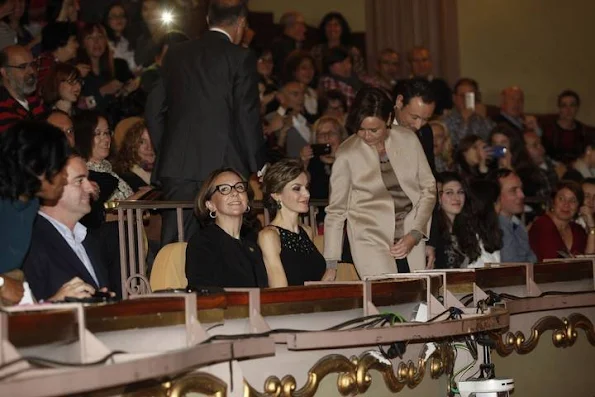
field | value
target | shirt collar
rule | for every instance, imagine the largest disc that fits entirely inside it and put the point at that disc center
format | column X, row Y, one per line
column 221, row 31
column 78, row 234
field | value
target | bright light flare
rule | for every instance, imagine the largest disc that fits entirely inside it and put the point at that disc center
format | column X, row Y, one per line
column 167, row 17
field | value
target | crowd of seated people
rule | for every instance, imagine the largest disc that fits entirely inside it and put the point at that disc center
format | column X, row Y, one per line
column 496, row 182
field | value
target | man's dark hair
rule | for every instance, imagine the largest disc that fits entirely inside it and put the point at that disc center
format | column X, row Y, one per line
column 500, row 173
column 28, row 150
column 56, row 34
column 369, row 102
column 416, row 87
column 588, row 181
column 170, row 38
column 569, row 93
column 332, row 56
column 226, row 12
column 468, row 81
column 332, row 95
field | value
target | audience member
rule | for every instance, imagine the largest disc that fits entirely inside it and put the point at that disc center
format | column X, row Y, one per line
column 299, row 67
column 108, row 78
column 136, row 157
column 292, row 129
column 334, row 31
column 32, row 160
column 62, row 261
column 16, row 21
column 8, row 36
column 210, row 84
column 292, row 38
column 152, row 74
column 334, row 104
column 443, row 153
column 19, row 81
column 62, row 10
column 268, row 84
column 337, row 75
column 550, row 170
column 379, row 171
column 58, row 45
column 555, row 234
column 387, row 72
column 421, row 67
column 512, row 111
column 584, row 166
column 151, row 32
column 588, row 207
column 483, row 195
column 62, row 120
column 115, row 21
column 565, row 138
column 464, row 120
column 220, row 254
column 471, row 158
column 289, row 254
column 510, row 204
column 62, row 88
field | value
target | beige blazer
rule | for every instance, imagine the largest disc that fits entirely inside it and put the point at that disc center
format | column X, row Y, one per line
column 358, row 195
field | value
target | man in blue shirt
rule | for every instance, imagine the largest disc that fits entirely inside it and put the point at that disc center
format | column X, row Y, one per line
column 515, row 241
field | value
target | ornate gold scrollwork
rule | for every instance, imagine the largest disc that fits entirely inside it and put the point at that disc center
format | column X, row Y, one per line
column 564, row 334
column 354, row 374
column 199, row 382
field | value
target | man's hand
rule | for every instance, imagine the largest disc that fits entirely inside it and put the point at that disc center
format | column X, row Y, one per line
column 12, row 291
column 75, row 288
column 403, row 247
column 430, row 257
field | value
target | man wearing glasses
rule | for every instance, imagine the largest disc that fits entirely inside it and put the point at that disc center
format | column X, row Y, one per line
column 19, row 82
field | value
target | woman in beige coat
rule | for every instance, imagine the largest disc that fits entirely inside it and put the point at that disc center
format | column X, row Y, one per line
column 382, row 185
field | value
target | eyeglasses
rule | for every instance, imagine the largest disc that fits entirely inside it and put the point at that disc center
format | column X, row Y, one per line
column 103, row 134
column 225, row 188
column 23, row 66
column 117, row 16
column 69, row 131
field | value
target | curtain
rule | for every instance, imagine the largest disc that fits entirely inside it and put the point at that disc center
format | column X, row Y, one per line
column 403, row 24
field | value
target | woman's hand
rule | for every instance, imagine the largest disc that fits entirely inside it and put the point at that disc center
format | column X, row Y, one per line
column 131, row 85
column 75, row 288
column 84, row 69
column 587, row 215
column 306, row 154
column 403, row 247
column 111, row 88
column 12, row 291
column 329, row 275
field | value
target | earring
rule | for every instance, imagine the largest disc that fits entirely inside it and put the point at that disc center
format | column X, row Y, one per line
column 248, row 209
column 213, row 214
column 279, row 206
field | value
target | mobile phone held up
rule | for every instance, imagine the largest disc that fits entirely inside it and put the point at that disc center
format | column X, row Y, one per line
column 497, row 152
column 320, row 149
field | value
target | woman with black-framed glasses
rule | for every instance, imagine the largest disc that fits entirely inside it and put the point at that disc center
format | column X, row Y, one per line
column 221, row 253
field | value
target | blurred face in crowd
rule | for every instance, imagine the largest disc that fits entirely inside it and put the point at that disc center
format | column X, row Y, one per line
column 333, row 30
column 70, row 9
column 373, row 131
column 69, row 50
column 95, row 43
column 295, row 196
column 117, row 19
column 297, row 29
column 565, row 205
column 459, row 96
column 62, row 121
column 342, row 68
column 145, row 150
column 19, row 9
column 305, row 72
column 70, row 89
column 265, row 64
column 292, row 96
column 233, row 204
column 513, row 102
column 473, row 154
column 335, row 109
column 329, row 133
column 421, row 63
column 7, row 8
column 76, row 198
column 389, row 66
column 439, row 135
column 589, row 192
column 150, row 12
column 20, row 73
column 102, row 141
column 415, row 114
column 512, row 198
column 452, row 198
column 499, row 139
column 568, row 108
column 534, row 147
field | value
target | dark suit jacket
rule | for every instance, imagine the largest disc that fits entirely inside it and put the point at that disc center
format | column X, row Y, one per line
column 51, row 262
column 208, row 103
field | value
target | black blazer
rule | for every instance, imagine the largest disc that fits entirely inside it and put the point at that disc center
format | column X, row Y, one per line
column 215, row 259
column 51, row 262
column 208, row 108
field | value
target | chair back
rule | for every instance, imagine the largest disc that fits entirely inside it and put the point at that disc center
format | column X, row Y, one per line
column 169, row 268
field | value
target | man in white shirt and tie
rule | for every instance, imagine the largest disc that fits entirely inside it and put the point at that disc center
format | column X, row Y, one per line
column 62, row 261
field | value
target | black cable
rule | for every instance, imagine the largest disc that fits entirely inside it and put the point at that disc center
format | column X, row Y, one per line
column 49, row 363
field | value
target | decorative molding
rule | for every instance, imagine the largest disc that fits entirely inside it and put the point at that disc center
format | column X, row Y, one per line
column 564, row 334
column 199, row 382
column 354, row 374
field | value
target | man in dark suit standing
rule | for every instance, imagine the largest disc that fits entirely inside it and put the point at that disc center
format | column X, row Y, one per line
column 63, row 261
column 205, row 113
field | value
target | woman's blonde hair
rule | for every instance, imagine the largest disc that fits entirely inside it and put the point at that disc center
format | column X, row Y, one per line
column 332, row 120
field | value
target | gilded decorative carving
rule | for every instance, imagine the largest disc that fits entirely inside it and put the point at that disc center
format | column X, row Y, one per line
column 199, row 382
column 353, row 375
column 564, row 334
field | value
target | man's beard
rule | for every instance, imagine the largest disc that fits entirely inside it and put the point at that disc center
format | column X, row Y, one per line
column 25, row 87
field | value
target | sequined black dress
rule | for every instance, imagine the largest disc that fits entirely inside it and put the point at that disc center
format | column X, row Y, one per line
column 301, row 260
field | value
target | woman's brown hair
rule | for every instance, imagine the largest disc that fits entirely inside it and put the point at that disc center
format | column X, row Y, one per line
column 60, row 72
column 277, row 177
column 106, row 62
column 128, row 153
